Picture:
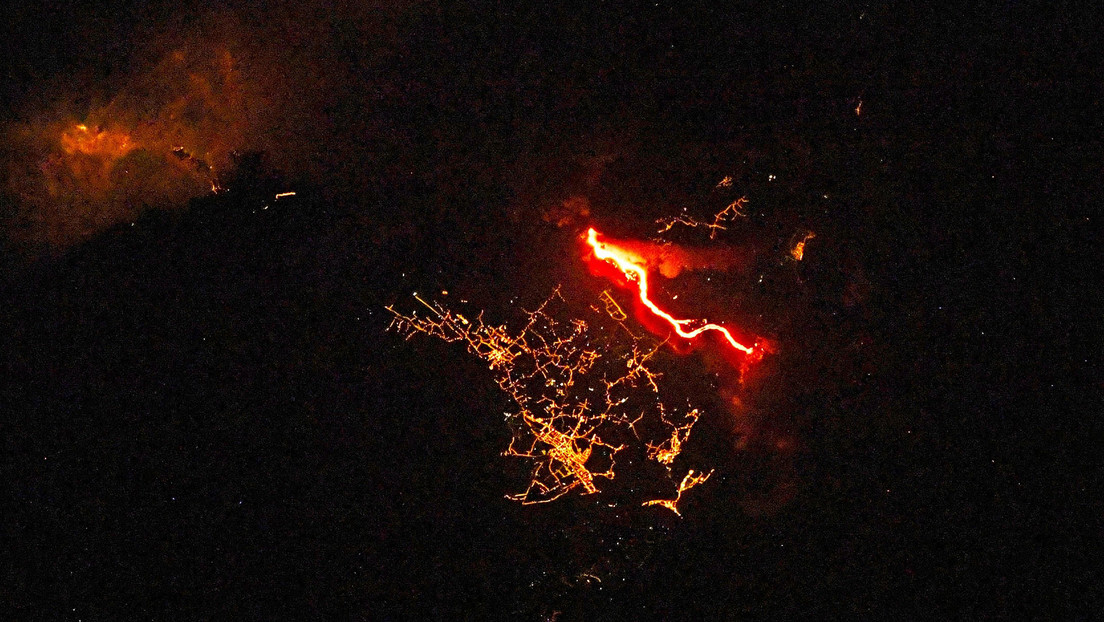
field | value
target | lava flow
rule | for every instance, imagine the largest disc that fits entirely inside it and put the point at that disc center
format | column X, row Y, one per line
column 634, row 271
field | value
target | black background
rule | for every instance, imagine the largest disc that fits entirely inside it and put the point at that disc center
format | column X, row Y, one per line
column 203, row 416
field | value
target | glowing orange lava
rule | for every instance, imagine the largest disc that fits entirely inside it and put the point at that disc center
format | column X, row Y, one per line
column 637, row 272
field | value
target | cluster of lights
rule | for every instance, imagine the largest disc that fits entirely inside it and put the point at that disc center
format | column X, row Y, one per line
column 729, row 213
column 582, row 395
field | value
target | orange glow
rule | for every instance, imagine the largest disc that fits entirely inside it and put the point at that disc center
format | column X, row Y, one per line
column 636, row 272
column 798, row 251
column 100, row 142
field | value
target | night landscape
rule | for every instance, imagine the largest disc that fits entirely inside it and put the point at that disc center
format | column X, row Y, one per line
column 537, row 311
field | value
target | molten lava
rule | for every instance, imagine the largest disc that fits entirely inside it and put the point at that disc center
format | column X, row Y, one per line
column 635, row 271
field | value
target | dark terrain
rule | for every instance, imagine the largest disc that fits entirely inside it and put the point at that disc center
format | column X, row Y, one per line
column 204, row 418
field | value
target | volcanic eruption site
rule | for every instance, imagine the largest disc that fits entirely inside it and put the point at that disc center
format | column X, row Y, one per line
column 590, row 394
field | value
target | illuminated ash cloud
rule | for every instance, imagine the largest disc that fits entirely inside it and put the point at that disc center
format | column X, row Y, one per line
column 160, row 141
column 166, row 126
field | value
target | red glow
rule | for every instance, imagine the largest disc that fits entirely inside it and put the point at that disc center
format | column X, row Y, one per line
column 634, row 271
